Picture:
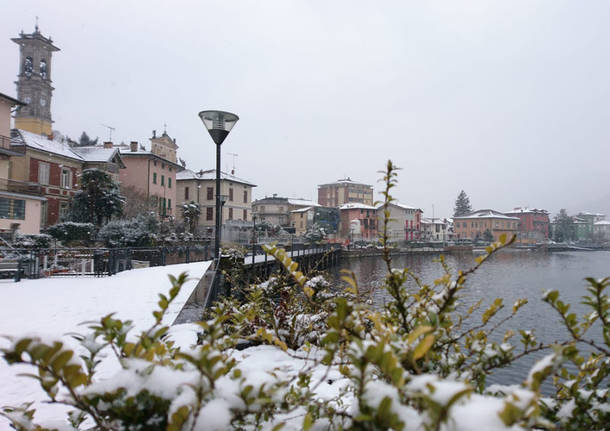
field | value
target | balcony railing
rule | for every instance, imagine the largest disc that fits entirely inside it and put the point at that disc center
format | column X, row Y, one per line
column 21, row 187
column 5, row 144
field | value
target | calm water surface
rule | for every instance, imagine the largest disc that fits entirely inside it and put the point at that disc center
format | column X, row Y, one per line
column 510, row 274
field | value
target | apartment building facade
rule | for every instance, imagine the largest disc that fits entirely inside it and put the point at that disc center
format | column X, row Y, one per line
column 200, row 187
column 473, row 226
column 344, row 191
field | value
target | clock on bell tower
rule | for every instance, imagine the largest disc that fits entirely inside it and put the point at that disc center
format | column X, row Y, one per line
column 34, row 82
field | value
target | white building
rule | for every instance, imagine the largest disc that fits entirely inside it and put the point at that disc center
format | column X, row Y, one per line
column 436, row 229
column 404, row 223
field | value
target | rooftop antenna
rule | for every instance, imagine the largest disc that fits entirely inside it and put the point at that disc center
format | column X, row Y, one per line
column 110, row 130
column 234, row 156
column 36, row 24
column 165, row 128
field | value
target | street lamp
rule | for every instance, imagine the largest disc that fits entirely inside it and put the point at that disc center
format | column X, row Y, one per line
column 253, row 238
column 218, row 124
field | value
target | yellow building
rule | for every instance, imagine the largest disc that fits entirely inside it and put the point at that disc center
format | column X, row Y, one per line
column 474, row 225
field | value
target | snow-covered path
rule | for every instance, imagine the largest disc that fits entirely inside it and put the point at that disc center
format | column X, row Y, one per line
column 57, row 306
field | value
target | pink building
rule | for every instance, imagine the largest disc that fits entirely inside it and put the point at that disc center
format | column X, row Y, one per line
column 358, row 221
column 152, row 174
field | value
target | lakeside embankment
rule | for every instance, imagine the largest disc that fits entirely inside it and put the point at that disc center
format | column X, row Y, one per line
column 371, row 252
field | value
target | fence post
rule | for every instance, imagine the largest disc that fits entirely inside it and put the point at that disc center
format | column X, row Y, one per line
column 18, row 273
column 188, row 254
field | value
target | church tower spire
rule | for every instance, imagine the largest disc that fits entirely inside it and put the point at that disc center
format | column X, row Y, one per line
column 34, row 82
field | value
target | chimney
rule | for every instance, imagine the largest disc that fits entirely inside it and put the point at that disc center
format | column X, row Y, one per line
column 108, row 144
column 154, row 134
column 133, row 146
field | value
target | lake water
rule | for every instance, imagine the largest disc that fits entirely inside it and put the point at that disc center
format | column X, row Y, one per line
column 510, row 274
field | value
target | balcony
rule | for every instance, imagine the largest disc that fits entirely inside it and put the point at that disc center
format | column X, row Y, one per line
column 5, row 144
column 21, row 187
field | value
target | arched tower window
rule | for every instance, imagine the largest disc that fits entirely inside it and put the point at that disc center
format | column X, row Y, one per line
column 28, row 66
column 43, row 68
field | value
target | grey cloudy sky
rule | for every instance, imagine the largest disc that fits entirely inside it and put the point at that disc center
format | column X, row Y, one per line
column 507, row 100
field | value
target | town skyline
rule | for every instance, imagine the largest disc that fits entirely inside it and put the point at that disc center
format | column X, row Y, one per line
column 137, row 80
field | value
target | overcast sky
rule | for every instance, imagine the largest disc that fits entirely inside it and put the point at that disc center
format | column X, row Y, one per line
column 506, row 100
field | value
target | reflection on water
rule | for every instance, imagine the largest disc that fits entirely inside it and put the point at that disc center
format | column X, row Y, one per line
column 510, row 274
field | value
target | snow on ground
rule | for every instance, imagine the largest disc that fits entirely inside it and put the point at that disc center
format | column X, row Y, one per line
column 56, row 306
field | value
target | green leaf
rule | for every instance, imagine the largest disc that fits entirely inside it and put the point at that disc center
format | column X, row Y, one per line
column 423, row 347
column 307, row 421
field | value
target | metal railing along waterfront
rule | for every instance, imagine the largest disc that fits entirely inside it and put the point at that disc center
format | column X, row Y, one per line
column 58, row 262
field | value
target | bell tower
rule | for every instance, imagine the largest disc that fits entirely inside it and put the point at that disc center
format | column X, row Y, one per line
column 34, row 82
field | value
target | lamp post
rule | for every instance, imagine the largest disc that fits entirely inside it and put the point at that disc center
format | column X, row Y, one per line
column 253, row 239
column 218, row 124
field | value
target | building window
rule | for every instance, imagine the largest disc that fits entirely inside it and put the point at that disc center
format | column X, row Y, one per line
column 170, row 169
column 245, row 196
column 12, row 209
column 155, row 163
column 43, row 173
column 169, row 183
column 154, row 178
column 186, row 193
column 210, row 193
column 162, row 165
column 66, row 178
column 209, row 213
column 64, row 209
column 162, row 180
column 231, row 194
column 169, row 206
column 245, row 214
column 230, row 213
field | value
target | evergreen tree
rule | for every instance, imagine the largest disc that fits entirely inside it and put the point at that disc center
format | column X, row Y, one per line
column 488, row 236
column 564, row 227
column 85, row 141
column 462, row 205
column 98, row 199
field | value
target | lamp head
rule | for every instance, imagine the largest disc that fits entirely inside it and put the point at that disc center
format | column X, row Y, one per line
column 218, row 124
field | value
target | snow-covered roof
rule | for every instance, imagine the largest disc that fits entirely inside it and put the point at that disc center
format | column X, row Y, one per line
column 602, row 223
column 486, row 214
column 303, row 202
column 356, row 205
column 96, row 153
column 301, row 210
column 525, row 210
column 427, row 220
column 347, row 180
column 591, row 214
column 43, row 143
column 210, row 174
column 399, row 205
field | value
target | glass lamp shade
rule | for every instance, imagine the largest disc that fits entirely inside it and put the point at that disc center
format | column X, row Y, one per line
column 218, row 123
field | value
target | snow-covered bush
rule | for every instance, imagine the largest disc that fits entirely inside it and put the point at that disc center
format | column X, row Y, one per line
column 315, row 233
column 140, row 231
column 32, row 241
column 72, row 231
column 328, row 361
